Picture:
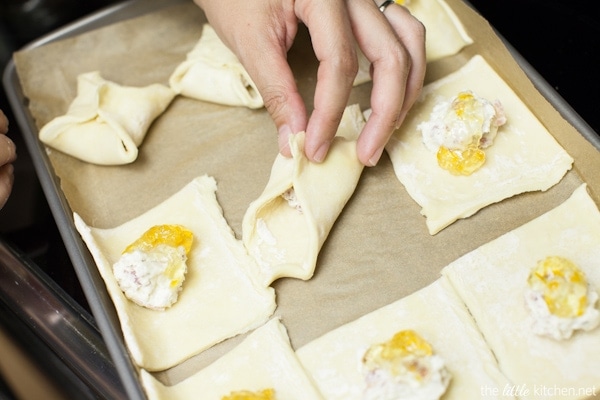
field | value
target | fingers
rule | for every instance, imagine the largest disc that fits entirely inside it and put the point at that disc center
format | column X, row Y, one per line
column 333, row 43
column 394, row 42
column 275, row 81
column 260, row 33
column 390, row 65
column 8, row 151
column 6, row 183
column 3, row 123
column 7, row 156
column 265, row 59
column 7, row 148
column 411, row 33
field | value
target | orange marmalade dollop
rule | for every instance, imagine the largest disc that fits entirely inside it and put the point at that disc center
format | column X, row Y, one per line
column 562, row 284
column 463, row 162
column 266, row 394
column 151, row 270
column 170, row 235
column 459, row 129
column 404, row 367
column 399, row 354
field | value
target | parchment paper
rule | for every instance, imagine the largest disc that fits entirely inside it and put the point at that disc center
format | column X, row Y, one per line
column 378, row 251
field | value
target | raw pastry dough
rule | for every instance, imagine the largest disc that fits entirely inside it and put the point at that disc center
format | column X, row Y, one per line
column 211, row 72
column 435, row 313
column 285, row 237
column 263, row 360
column 446, row 35
column 492, row 281
column 524, row 156
column 106, row 122
column 221, row 297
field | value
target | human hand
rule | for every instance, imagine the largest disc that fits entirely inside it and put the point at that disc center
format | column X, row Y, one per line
column 7, row 156
column 260, row 33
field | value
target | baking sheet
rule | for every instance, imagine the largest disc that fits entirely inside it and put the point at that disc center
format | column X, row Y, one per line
column 237, row 146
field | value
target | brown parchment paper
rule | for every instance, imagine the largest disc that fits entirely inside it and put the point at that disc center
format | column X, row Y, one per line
column 378, row 251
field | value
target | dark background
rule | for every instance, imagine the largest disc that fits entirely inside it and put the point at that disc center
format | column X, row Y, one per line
column 26, row 221
column 560, row 39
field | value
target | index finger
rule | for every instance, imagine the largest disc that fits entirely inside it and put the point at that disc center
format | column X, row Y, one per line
column 397, row 71
column 333, row 43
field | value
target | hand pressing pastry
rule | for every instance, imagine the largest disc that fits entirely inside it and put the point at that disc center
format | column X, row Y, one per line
column 286, row 226
column 211, row 72
column 106, row 123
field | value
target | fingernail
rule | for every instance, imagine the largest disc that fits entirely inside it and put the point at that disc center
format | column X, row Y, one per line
column 284, row 132
column 283, row 138
column 320, row 154
column 400, row 120
column 375, row 157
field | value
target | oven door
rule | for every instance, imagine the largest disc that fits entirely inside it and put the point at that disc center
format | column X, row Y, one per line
column 47, row 334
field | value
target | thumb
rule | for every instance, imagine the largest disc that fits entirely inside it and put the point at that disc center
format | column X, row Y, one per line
column 275, row 82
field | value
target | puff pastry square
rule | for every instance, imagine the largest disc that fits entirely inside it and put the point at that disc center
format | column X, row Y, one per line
column 221, row 296
column 437, row 314
column 492, row 279
column 524, row 157
column 264, row 360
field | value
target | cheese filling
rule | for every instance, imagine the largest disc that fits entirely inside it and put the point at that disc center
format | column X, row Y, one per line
column 290, row 196
column 459, row 130
column 560, row 299
column 404, row 367
column 268, row 251
column 151, row 270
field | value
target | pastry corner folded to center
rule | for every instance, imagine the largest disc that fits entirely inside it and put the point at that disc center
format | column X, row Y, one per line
column 285, row 228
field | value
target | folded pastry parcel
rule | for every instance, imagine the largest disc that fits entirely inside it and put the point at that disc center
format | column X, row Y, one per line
column 211, row 72
column 286, row 226
column 106, row 123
